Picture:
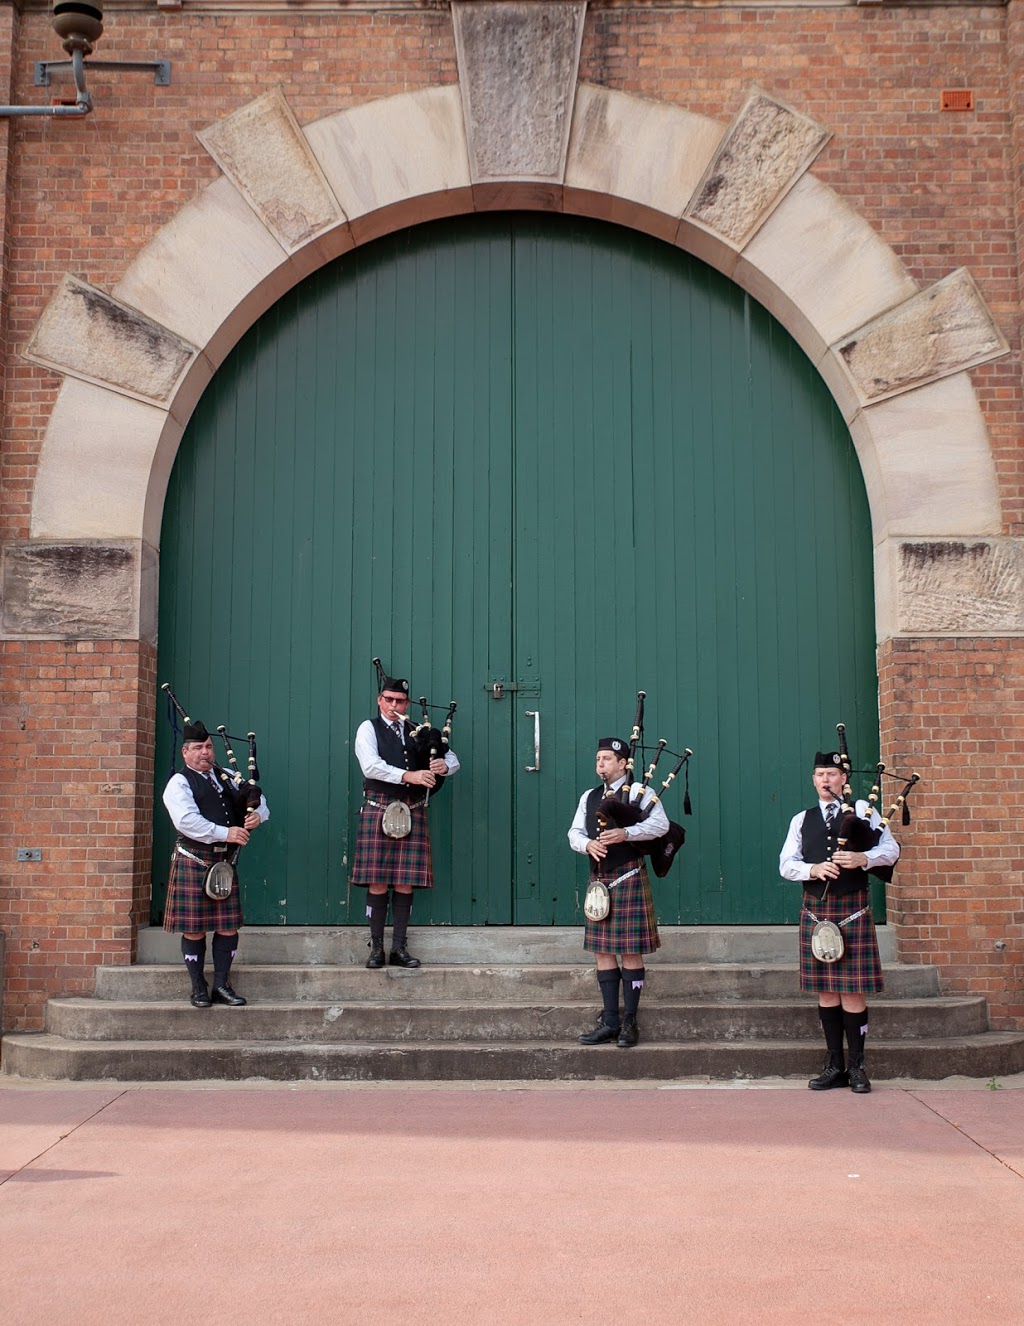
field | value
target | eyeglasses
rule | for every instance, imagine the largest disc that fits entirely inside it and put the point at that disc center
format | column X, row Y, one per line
column 396, row 699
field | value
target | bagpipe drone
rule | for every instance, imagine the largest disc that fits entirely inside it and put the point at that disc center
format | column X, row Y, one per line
column 855, row 833
column 634, row 801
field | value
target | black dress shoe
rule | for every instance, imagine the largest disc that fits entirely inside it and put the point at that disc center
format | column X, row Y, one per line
column 376, row 958
column 629, row 1035
column 859, row 1083
column 200, row 998
column 601, row 1035
column 223, row 994
column 832, row 1075
column 401, row 957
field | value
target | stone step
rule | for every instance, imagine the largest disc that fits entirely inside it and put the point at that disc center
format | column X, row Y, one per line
column 521, row 984
column 482, row 1023
column 483, row 945
column 48, row 1057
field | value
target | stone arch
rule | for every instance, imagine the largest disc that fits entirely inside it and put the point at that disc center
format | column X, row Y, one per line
column 742, row 197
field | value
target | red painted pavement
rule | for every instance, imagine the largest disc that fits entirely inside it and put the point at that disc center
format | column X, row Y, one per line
column 553, row 1205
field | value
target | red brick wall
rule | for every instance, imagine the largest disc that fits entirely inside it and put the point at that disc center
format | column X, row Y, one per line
column 954, row 710
column 943, row 189
column 77, row 731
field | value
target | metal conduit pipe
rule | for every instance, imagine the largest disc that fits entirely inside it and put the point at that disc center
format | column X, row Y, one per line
column 83, row 99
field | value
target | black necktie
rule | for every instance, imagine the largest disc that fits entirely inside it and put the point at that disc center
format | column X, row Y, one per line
column 830, row 817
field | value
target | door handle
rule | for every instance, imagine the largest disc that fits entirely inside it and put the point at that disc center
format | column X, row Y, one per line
column 535, row 766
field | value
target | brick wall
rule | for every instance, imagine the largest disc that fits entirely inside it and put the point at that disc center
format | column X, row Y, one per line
column 76, row 726
column 954, row 710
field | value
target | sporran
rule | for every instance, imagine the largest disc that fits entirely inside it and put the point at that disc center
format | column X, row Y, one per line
column 220, row 880
column 597, row 904
column 397, row 820
column 827, row 942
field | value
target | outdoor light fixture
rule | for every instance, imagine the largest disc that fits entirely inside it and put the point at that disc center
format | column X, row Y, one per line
column 79, row 26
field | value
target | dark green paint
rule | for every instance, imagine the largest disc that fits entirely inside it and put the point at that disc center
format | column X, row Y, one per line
column 540, row 451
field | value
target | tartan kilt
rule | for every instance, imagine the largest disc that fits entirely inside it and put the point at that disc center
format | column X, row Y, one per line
column 859, row 970
column 630, row 926
column 382, row 860
column 188, row 906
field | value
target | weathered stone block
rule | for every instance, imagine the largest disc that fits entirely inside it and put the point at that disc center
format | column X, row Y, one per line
column 942, row 330
column 78, row 590
column 263, row 152
column 961, row 588
column 518, row 65
column 91, row 335
column 764, row 152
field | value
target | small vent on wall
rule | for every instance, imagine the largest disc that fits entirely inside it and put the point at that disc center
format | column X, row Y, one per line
column 957, row 99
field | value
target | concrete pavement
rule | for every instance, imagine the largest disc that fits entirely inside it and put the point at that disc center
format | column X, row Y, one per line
column 672, row 1202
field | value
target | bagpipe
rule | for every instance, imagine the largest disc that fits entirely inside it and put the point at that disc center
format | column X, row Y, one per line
column 634, row 801
column 245, row 792
column 429, row 741
column 856, row 833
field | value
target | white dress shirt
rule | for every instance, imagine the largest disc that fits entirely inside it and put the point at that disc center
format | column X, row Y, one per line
column 655, row 826
column 185, row 816
column 374, row 767
column 792, row 865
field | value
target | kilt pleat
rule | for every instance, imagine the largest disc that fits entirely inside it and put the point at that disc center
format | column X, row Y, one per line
column 631, row 925
column 382, row 860
column 859, row 970
column 188, row 905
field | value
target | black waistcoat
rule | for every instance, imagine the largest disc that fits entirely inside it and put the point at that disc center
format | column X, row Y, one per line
column 817, row 845
column 210, row 804
column 391, row 751
column 621, row 856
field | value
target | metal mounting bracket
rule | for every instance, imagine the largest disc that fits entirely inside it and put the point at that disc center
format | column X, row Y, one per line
column 161, row 69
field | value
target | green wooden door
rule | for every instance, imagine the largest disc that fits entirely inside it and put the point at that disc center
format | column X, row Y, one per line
column 541, row 452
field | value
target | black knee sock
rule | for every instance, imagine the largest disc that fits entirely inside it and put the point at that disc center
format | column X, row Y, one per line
column 194, row 953
column 224, row 949
column 608, row 983
column 832, row 1025
column 632, row 989
column 856, row 1027
column 377, row 912
column 401, row 908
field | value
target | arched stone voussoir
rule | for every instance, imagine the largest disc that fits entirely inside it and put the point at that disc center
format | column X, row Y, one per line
column 631, row 159
column 821, row 269
column 87, row 333
column 762, row 154
column 933, row 334
column 927, row 463
column 96, row 468
column 199, row 274
column 397, row 161
column 262, row 150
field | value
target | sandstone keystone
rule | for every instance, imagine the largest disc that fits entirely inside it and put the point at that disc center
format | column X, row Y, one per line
column 518, row 65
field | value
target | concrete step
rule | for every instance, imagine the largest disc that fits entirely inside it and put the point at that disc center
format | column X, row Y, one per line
column 481, row 1023
column 486, row 945
column 49, row 1057
column 534, row 982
